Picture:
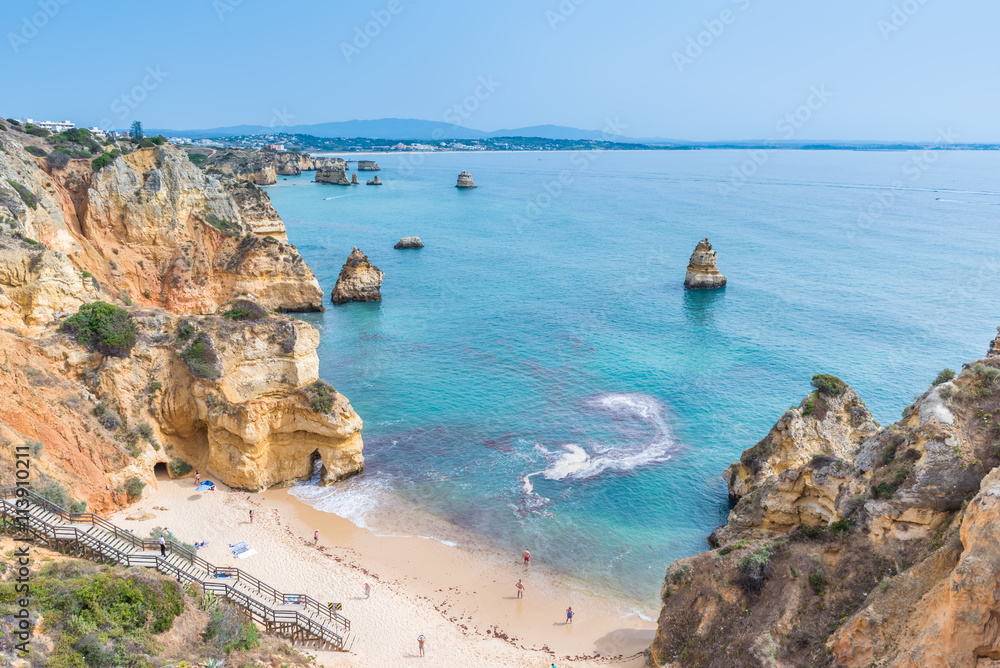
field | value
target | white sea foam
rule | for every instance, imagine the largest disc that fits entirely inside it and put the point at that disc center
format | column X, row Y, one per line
column 655, row 444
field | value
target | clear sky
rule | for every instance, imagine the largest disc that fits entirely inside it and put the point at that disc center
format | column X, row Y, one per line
column 885, row 69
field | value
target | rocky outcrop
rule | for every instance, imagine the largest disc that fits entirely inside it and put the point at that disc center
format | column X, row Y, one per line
column 154, row 229
column 262, row 167
column 881, row 535
column 257, row 210
column 374, row 182
column 465, row 181
column 368, row 166
column 994, row 350
column 354, row 179
column 701, row 271
column 359, row 280
column 409, row 242
column 332, row 175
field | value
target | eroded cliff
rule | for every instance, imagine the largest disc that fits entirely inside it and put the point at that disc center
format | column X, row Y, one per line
column 853, row 545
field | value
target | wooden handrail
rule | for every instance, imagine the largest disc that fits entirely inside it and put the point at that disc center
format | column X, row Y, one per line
column 212, row 573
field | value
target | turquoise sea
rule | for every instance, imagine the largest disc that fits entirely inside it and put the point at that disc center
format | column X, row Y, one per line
column 537, row 375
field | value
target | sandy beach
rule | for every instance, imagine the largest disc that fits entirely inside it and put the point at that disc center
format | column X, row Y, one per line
column 464, row 603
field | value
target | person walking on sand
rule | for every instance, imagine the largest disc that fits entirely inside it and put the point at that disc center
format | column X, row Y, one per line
column 163, row 546
column 197, row 478
column 420, row 644
column 569, row 615
column 368, row 590
column 316, row 537
column 527, row 556
column 251, row 516
column 520, row 589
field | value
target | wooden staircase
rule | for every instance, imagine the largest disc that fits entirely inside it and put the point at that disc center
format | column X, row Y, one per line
column 298, row 617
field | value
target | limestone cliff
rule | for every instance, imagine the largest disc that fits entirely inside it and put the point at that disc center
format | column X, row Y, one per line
column 257, row 211
column 701, row 272
column 359, row 280
column 852, row 545
column 154, row 229
column 332, row 175
column 465, row 181
column 260, row 167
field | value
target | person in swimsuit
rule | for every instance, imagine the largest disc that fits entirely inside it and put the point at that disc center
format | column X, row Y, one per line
column 368, row 590
column 569, row 615
column 520, row 589
column 527, row 556
column 251, row 516
column 316, row 538
column 197, row 478
column 420, row 643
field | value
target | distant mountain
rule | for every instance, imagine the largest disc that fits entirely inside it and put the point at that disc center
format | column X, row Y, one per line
column 393, row 128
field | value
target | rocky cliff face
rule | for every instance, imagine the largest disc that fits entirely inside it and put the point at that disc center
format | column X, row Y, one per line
column 359, row 280
column 257, row 211
column 852, row 545
column 701, row 272
column 465, row 181
column 332, row 175
column 235, row 395
column 262, row 167
column 154, row 229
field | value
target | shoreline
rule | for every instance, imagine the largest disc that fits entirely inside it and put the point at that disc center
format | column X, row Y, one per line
column 460, row 598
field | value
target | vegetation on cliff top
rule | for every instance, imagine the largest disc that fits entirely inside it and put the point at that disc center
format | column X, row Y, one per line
column 201, row 358
column 244, row 309
column 105, row 328
column 829, row 385
column 321, row 395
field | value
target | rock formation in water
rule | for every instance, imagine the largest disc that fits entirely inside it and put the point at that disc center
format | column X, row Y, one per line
column 354, row 179
column 852, row 544
column 368, row 166
column 260, row 167
column 332, row 175
column 994, row 350
column 701, row 271
column 234, row 394
column 374, row 182
column 359, row 280
column 465, row 181
column 409, row 242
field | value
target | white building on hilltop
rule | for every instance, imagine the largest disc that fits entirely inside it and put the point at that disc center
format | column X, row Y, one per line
column 52, row 126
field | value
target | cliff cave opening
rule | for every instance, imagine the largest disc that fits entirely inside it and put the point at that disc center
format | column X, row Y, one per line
column 160, row 471
column 316, row 467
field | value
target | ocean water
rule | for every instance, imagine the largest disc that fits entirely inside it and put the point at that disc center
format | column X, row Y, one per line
column 537, row 375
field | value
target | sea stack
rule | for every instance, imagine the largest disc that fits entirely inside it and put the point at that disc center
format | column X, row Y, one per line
column 359, row 280
column 701, row 271
column 465, row 181
column 409, row 242
column 354, row 179
column 374, row 182
column 334, row 175
column 368, row 166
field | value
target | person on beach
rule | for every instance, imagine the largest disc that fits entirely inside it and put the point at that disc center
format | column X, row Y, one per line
column 527, row 556
column 163, row 546
column 569, row 615
column 368, row 590
column 420, row 643
column 316, row 538
column 251, row 516
column 520, row 589
column 197, row 478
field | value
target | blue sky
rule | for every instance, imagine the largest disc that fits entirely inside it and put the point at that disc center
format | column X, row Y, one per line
column 888, row 69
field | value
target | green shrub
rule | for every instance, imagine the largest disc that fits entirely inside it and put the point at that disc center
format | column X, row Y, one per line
column 26, row 195
column 36, row 131
column 77, row 507
column 229, row 630
column 185, row 331
column 244, row 309
column 100, row 409
column 817, row 580
column 943, row 377
column 754, row 570
column 841, row 526
column 105, row 159
column 321, row 395
column 812, row 531
column 179, row 468
column 105, row 328
column 201, row 358
column 52, row 491
column 154, row 387
column 144, row 431
column 829, row 385
column 947, row 392
column 134, row 487
column 228, row 227
column 146, row 143
column 197, row 158
column 36, row 151
column 110, row 421
column 809, row 406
